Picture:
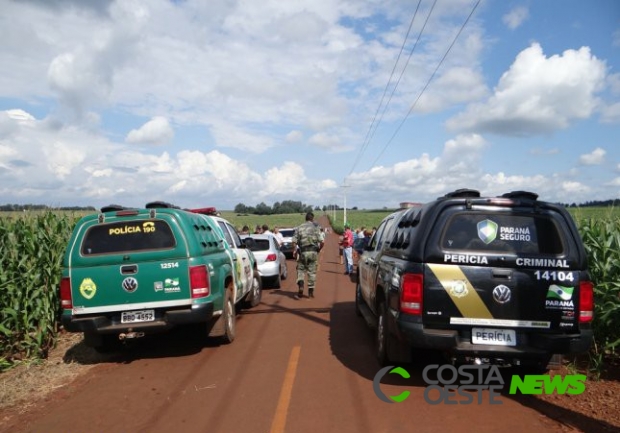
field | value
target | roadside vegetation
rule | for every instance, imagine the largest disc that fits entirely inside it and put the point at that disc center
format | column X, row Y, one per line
column 33, row 244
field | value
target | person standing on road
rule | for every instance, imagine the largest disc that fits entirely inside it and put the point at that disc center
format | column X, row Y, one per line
column 278, row 235
column 308, row 238
column 347, row 249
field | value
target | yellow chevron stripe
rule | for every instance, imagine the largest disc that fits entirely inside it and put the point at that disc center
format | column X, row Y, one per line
column 468, row 303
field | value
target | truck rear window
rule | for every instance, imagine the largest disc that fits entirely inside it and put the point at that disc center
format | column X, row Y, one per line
column 509, row 233
column 125, row 236
column 287, row 233
column 258, row 244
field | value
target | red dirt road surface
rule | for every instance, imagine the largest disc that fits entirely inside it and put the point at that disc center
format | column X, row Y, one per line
column 296, row 366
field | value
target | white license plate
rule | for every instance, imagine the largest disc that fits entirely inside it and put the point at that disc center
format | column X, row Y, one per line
column 494, row 336
column 137, row 316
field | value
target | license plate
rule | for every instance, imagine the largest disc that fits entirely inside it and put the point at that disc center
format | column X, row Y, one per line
column 494, row 336
column 137, row 316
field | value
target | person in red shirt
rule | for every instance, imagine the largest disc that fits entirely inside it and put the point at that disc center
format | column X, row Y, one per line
column 347, row 249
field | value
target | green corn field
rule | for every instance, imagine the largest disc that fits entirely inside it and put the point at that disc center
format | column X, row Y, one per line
column 602, row 242
column 32, row 247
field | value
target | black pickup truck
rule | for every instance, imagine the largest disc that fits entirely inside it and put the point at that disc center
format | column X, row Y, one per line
column 500, row 280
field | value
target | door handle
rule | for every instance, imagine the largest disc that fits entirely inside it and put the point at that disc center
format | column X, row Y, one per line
column 129, row 269
column 502, row 273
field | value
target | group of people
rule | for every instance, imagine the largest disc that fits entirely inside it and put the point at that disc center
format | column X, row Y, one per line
column 264, row 229
column 352, row 245
column 308, row 241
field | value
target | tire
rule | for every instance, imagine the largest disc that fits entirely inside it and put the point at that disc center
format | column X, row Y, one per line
column 358, row 299
column 229, row 319
column 256, row 292
column 277, row 281
column 285, row 273
column 382, row 337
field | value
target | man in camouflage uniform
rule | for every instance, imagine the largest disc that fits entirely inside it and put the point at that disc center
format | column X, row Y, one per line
column 308, row 237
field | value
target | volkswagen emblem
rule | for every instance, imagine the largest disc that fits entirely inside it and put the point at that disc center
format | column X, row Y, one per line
column 501, row 294
column 130, row 284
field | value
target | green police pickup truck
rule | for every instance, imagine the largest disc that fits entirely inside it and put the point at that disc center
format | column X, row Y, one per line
column 128, row 272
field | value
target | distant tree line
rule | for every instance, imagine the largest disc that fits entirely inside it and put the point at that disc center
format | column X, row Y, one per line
column 285, row 207
column 42, row 207
column 596, row 203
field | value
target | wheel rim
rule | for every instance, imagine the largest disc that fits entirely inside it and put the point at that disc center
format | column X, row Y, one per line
column 229, row 320
column 380, row 333
column 256, row 287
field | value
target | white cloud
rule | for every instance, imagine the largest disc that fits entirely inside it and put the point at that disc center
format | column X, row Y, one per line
column 302, row 79
column 324, row 140
column 62, row 158
column 456, row 86
column 81, row 167
column 614, row 182
column 286, row 180
column 155, row 131
column 228, row 134
column 596, row 157
column 294, row 136
column 610, row 113
column 515, row 17
column 538, row 94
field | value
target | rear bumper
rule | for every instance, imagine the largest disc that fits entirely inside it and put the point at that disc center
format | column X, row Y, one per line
column 287, row 249
column 269, row 269
column 529, row 343
column 110, row 323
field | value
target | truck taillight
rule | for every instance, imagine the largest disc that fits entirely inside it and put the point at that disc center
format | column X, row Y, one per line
column 411, row 288
column 66, row 303
column 199, row 281
column 586, row 301
column 271, row 258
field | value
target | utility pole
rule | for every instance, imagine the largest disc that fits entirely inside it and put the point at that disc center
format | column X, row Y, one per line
column 345, row 186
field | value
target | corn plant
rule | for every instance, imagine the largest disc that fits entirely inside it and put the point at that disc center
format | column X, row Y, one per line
column 602, row 242
column 30, row 271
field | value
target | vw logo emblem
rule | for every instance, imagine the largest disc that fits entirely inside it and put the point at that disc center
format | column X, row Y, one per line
column 130, row 284
column 501, row 294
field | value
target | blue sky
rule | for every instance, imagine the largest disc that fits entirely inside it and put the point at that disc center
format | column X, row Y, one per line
column 224, row 102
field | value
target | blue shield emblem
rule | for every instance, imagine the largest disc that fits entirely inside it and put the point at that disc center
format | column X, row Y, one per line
column 487, row 231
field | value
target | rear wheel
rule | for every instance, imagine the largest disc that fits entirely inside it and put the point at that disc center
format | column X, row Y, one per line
column 382, row 336
column 255, row 294
column 229, row 319
column 358, row 299
column 277, row 281
column 389, row 349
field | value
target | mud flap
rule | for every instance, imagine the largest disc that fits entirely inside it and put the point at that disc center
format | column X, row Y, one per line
column 555, row 362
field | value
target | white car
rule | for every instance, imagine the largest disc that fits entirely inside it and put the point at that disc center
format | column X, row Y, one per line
column 270, row 260
column 287, row 242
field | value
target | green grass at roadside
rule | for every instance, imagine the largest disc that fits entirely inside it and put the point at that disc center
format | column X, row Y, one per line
column 356, row 219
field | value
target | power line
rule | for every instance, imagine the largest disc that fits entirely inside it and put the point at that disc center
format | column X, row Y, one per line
column 427, row 83
column 370, row 131
column 402, row 73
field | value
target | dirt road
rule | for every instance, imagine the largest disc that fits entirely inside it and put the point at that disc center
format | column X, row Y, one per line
column 296, row 366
